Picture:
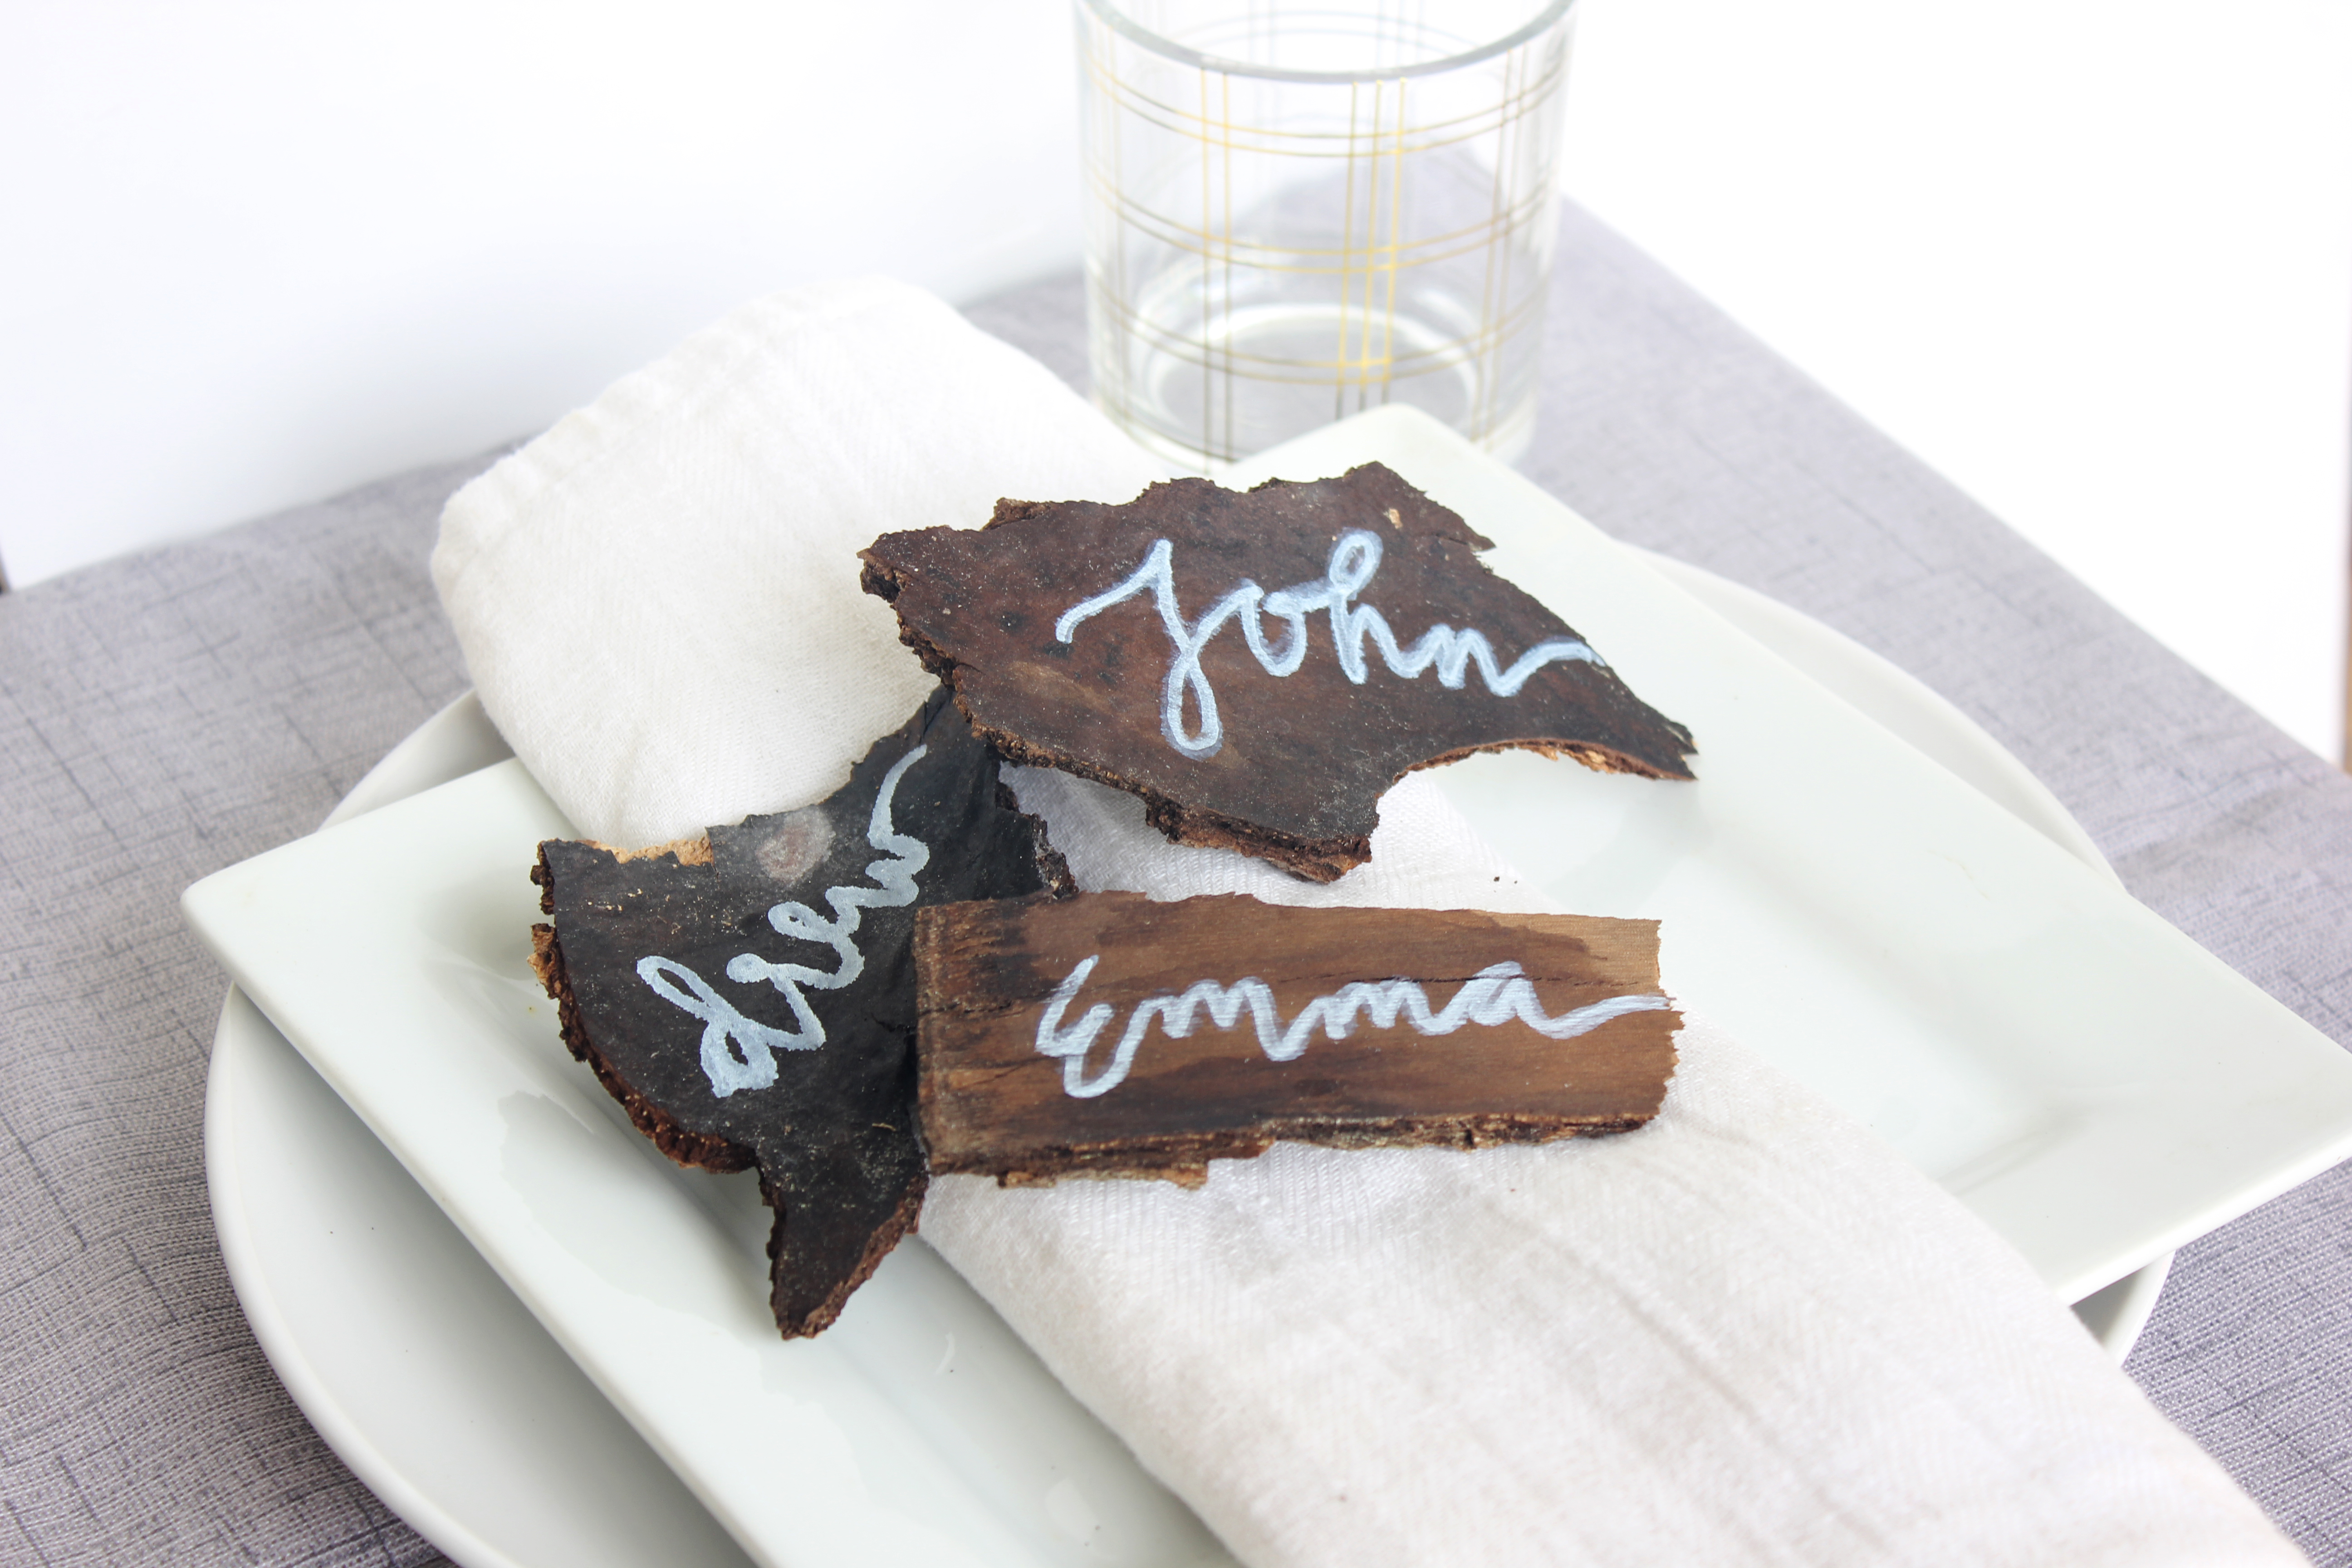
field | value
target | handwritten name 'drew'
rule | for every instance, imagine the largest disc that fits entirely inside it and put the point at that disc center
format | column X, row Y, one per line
column 738, row 1051
column 1355, row 557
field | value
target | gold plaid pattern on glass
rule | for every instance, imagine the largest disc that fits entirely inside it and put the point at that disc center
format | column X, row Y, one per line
column 1295, row 213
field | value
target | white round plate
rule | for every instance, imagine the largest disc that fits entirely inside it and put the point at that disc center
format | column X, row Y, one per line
column 442, row 1392
column 416, row 1363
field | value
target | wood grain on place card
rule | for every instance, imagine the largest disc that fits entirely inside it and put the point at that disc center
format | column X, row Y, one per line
column 1110, row 1034
column 1259, row 667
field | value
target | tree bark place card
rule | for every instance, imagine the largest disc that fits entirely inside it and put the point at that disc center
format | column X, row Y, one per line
column 1134, row 645
column 1110, row 1034
column 748, row 998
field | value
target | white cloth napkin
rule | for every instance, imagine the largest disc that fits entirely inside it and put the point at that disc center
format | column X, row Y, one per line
column 1749, row 1333
column 658, row 598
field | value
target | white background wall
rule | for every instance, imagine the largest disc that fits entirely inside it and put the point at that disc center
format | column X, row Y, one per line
column 2093, row 258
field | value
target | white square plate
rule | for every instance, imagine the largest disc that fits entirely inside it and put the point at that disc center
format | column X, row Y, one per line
column 2092, row 1083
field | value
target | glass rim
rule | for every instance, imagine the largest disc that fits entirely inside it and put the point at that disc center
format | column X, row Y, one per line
column 1109, row 13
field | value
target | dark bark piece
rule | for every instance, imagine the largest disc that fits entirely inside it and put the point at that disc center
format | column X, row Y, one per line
column 1292, row 766
column 832, row 1130
column 1022, row 1077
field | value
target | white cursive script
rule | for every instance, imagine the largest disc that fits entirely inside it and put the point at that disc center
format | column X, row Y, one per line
column 740, row 1052
column 1495, row 994
column 1355, row 556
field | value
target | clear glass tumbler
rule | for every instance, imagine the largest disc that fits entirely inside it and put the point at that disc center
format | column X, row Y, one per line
column 1299, row 211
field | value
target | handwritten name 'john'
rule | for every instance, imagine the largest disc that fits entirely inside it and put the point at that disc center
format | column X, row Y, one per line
column 1355, row 557
column 1497, row 994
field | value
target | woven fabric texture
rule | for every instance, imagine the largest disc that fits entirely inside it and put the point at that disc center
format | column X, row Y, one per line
column 160, row 717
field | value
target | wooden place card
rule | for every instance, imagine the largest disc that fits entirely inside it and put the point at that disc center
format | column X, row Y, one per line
column 749, row 996
column 1108, row 1034
column 1260, row 667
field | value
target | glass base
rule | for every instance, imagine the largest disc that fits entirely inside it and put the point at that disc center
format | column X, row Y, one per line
column 1260, row 375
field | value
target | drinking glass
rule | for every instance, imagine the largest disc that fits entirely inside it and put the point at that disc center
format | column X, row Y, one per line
column 1294, row 211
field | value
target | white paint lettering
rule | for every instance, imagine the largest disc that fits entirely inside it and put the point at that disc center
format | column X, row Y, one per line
column 1495, row 994
column 738, row 1052
column 1355, row 557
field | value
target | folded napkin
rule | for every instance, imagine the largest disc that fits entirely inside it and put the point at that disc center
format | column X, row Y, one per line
column 1750, row 1332
column 1747, row 1333
column 658, row 598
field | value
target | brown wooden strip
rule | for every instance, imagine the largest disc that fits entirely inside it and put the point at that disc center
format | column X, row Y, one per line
column 995, row 1101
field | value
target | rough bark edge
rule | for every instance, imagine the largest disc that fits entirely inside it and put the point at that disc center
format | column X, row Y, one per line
column 1184, row 1159
column 879, row 1244
column 693, row 1150
column 692, row 850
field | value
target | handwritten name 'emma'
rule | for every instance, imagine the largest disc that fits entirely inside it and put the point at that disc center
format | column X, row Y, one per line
column 1495, row 994
column 1354, row 558
column 738, row 1052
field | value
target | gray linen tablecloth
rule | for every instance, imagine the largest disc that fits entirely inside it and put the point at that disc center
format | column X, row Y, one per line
column 168, row 714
